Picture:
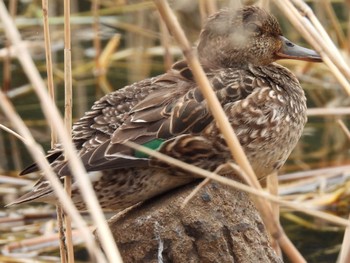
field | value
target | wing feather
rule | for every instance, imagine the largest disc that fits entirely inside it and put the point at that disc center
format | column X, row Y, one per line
column 165, row 107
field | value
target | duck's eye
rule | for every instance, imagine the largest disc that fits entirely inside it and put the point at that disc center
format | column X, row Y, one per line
column 253, row 28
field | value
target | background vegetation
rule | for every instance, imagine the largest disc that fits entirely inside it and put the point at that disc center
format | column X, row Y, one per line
column 316, row 173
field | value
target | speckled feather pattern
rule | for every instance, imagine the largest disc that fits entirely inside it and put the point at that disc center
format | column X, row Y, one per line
column 263, row 101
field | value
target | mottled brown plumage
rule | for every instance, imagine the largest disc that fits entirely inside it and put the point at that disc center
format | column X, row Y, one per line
column 263, row 101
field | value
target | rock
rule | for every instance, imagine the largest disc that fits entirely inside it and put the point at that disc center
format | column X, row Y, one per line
column 219, row 224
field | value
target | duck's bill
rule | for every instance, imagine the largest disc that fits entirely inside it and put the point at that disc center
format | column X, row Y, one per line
column 289, row 50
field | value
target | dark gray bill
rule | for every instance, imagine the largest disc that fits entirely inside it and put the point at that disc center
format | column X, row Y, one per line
column 289, row 50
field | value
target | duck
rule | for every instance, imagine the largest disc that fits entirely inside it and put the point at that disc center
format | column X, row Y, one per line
column 263, row 101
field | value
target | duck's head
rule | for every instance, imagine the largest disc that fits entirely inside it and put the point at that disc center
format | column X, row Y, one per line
column 248, row 36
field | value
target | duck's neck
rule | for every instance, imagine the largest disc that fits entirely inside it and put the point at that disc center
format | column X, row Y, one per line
column 279, row 75
column 285, row 84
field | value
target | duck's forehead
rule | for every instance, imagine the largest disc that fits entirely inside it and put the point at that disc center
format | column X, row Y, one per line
column 262, row 18
column 272, row 26
column 228, row 20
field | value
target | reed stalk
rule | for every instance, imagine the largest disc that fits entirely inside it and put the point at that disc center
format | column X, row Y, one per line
column 39, row 156
column 227, row 131
column 165, row 41
column 344, row 255
column 51, row 112
column 298, row 206
column 68, row 119
column 49, row 71
column 60, row 213
column 319, row 39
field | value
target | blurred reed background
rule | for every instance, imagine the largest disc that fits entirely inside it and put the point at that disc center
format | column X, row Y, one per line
column 117, row 42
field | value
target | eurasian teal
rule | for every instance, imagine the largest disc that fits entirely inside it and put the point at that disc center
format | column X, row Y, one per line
column 264, row 103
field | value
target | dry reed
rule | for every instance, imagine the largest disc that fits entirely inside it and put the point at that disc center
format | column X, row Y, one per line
column 251, row 190
column 39, row 157
column 51, row 112
column 302, row 24
column 319, row 38
column 68, row 248
column 226, row 129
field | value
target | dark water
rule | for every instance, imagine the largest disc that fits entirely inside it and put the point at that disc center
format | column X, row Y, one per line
column 316, row 245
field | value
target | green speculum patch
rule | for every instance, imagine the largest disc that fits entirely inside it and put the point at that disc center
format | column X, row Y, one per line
column 153, row 145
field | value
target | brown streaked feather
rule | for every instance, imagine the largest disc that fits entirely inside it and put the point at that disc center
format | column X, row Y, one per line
column 166, row 113
column 105, row 116
column 188, row 114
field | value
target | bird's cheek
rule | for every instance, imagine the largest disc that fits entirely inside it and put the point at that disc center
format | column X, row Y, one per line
column 277, row 47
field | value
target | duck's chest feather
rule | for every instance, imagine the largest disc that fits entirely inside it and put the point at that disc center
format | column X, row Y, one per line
column 268, row 115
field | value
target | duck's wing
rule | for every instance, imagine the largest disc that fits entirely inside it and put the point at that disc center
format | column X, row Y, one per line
column 170, row 120
column 112, row 111
column 98, row 124
column 173, row 107
column 166, row 113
